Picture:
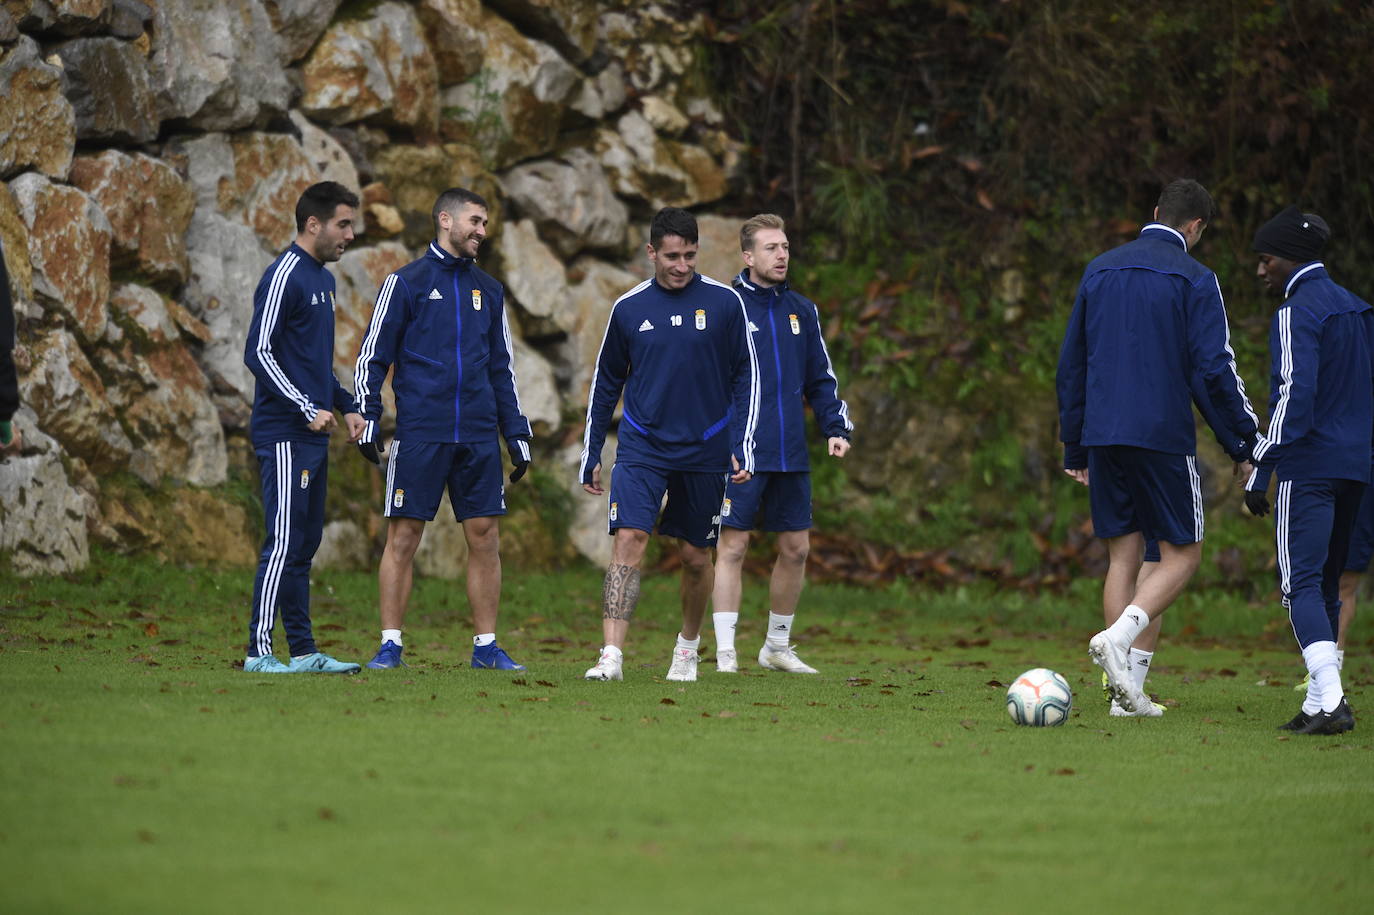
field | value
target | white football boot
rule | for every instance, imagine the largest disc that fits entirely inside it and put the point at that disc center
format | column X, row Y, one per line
column 727, row 662
column 607, row 668
column 684, row 666
column 1152, row 710
column 1115, row 662
column 784, row 659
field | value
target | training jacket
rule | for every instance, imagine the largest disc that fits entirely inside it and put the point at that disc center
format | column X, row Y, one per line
column 290, row 350
column 441, row 321
column 685, row 362
column 1147, row 318
column 1321, row 403
column 793, row 365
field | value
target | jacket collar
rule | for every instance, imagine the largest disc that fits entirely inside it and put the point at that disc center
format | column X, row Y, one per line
column 742, row 282
column 444, row 259
column 1160, row 230
column 1312, row 270
column 305, row 256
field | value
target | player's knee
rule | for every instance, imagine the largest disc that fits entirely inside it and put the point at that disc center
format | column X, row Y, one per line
column 403, row 538
column 731, row 550
column 482, row 534
column 695, row 559
column 794, row 550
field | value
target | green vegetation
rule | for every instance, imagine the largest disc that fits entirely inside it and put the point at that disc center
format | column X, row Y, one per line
column 142, row 772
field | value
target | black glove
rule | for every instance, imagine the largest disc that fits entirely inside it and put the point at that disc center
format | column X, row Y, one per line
column 1257, row 502
column 370, row 451
column 519, row 449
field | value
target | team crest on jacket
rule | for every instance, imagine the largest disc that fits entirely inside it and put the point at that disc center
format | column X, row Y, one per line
column 476, row 300
column 701, row 319
column 796, row 326
column 398, row 499
column 305, row 479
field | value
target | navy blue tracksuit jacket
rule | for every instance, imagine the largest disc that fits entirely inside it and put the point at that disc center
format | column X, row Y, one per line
column 793, row 366
column 1321, row 407
column 441, row 322
column 290, row 350
column 686, row 364
column 1148, row 317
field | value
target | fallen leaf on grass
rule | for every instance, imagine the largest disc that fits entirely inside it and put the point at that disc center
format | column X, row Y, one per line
column 998, row 684
column 546, row 683
column 726, row 714
column 1226, row 672
column 150, row 630
column 144, row 836
column 56, row 668
column 966, row 724
column 534, row 698
column 326, row 813
column 666, row 701
column 771, row 704
column 206, row 708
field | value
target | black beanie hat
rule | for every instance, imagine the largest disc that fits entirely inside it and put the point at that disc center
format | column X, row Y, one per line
column 1294, row 235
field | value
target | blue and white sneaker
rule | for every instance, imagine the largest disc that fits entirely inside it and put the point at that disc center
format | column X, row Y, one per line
column 320, row 663
column 493, row 657
column 387, row 657
column 265, row 664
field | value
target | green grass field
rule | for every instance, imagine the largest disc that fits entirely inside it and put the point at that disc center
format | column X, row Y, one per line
column 142, row 772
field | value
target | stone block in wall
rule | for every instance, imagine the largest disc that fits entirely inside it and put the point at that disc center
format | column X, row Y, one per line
column 61, row 18
column 376, row 68
column 641, row 164
column 205, row 73
column 718, row 253
column 533, row 274
column 454, row 30
column 512, row 108
column 149, row 207
column 41, row 126
column 568, row 25
column 72, row 404
column 299, row 24
column 594, row 285
column 42, row 516
column 106, row 81
column 570, row 200
column 417, row 175
column 331, row 161
column 357, row 277
column 14, row 240
column 69, row 250
column 588, row 529
column 602, row 94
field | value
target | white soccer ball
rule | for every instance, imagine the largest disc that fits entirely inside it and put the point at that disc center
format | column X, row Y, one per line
column 1039, row 698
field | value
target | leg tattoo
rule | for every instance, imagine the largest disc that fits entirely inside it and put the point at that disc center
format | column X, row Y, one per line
column 621, row 593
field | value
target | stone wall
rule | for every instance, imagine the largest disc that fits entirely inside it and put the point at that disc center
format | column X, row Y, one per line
column 150, row 157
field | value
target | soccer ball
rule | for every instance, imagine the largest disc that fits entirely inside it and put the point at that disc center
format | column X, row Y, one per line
column 1040, row 698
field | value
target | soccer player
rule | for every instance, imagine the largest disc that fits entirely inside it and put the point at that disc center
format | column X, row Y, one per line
column 290, row 351
column 1317, row 445
column 440, row 323
column 1147, row 317
column 679, row 347
column 793, row 367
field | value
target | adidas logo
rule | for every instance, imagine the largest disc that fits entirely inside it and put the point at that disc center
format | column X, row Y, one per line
column 645, row 326
column 314, row 299
column 753, row 328
column 434, row 294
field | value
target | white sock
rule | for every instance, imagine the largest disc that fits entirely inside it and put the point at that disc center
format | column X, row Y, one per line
column 1340, row 659
column 1128, row 625
column 1140, row 666
column 693, row 644
column 779, row 629
column 1326, row 676
column 483, row 639
column 1312, row 700
column 725, row 630
column 391, row 635
column 613, row 652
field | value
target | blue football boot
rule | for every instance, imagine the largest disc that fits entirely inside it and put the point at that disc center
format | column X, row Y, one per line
column 265, row 664
column 493, row 657
column 319, row 663
column 387, row 657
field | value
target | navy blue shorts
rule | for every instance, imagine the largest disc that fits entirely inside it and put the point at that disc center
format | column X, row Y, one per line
column 692, row 512
column 1136, row 489
column 785, row 499
column 419, row 471
column 1362, row 537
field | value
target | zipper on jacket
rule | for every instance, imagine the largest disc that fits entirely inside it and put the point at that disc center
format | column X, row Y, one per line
column 458, row 345
column 777, row 362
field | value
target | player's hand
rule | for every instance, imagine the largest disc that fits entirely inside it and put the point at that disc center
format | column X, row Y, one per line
column 738, row 476
column 372, row 451
column 356, row 426
column 839, row 446
column 1257, row 503
column 1242, row 471
column 324, row 421
column 519, row 448
column 594, row 487
column 1079, row 475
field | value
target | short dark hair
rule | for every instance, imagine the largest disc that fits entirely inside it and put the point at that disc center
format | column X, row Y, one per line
column 1184, row 200
column 452, row 200
column 321, row 201
column 672, row 221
